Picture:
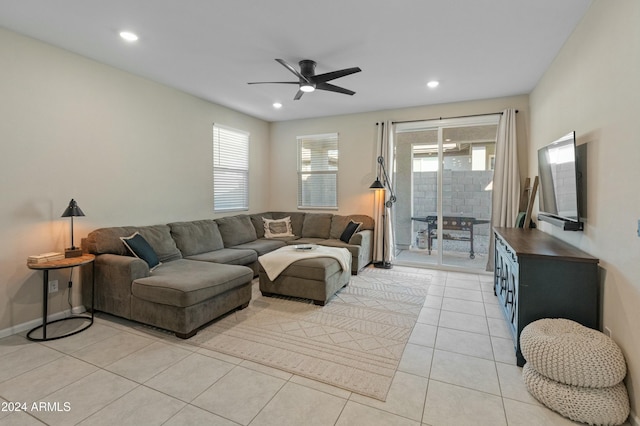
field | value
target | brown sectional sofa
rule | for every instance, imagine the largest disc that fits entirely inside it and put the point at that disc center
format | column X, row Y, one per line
column 207, row 265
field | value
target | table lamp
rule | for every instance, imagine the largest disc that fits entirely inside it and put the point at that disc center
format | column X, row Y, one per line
column 71, row 211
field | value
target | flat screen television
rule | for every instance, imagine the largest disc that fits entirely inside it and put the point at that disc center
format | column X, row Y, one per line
column 559, row 200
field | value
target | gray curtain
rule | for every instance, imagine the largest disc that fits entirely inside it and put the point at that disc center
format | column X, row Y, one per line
column 506, row 179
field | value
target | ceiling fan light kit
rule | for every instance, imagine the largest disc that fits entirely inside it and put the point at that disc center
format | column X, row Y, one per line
column 307, row 88
column 308, row 81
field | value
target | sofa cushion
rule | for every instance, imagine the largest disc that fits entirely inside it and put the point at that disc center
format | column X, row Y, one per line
column 317, row 225
column 236, row 230
column 159, row 237
column 297, row 220
column 198, row 236
column 107, row 241
column 258, row 223
column 141, row 249
column 317, row 269
column 229, row 256
column 305, row 241
column 262, row 246
column 187, row 282
column 354, row 249
column 339, row 223
column 367, row 221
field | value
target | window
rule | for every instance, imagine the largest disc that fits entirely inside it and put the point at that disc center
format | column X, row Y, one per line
column 318, row 171
column 425, row 164
column 478, row 158
column 230, row 169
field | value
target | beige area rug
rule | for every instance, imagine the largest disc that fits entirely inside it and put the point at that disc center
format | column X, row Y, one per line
column 354, row 342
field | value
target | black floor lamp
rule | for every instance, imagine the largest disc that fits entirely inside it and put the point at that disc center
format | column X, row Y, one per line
column 378, row 185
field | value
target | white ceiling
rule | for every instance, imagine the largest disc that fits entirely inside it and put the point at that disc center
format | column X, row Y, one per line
column 212, row 48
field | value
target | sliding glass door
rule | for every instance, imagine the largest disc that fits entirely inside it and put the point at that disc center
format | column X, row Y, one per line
column 445, row 168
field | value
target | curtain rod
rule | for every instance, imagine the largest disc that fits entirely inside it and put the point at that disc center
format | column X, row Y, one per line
column 442, row 118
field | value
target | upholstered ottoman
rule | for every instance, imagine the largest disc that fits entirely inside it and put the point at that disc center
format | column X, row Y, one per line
column 575, row 371
column 315, row 278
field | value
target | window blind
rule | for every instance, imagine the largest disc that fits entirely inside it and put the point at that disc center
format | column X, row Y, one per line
column 318, row 171
column 230, row 169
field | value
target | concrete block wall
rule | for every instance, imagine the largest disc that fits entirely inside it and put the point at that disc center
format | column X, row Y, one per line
column 463, row 194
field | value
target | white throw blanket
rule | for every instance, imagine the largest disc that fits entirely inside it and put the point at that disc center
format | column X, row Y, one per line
column 278, row 260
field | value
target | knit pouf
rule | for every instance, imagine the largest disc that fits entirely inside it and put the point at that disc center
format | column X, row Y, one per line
column 604, row 406
column 573, row 354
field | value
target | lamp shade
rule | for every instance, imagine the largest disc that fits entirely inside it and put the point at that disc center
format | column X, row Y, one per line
column 72, row 210
column 377, row 184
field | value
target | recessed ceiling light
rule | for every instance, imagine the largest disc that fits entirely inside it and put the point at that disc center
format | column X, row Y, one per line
column 277, row 105
column 433, row 84
column 129, row 36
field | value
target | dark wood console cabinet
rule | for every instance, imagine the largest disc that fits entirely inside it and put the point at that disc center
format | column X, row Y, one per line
column 539, row 276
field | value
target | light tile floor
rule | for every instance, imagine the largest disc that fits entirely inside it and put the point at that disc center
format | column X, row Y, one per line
column 457, row 369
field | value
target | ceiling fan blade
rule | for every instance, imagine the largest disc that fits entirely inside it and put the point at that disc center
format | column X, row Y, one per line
column 298, row 95
column 275, row 82
column 321, row 78
column 292, row 69
column 333, row 88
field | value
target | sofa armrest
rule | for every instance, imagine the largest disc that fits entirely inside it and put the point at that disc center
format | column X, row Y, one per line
column 113, row 277
column 361, row 237
column 365, row 240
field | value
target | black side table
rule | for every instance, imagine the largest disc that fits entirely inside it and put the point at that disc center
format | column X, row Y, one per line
column 60, row 264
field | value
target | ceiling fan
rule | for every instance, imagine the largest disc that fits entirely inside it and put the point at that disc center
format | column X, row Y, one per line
column 309, row 81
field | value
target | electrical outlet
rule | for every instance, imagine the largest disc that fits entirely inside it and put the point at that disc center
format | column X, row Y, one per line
column 607, row 331
column 53, row 286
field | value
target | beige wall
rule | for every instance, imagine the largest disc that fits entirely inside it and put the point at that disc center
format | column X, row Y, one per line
column 130, row 151
column 593, row 88
column 357, row 147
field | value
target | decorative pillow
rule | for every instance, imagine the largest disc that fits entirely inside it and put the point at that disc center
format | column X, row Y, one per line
column 141, row 249
column 277, row 228
column 351, row 229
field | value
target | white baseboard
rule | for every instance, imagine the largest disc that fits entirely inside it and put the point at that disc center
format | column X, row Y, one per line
column 633, row 419
column 26, row 326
